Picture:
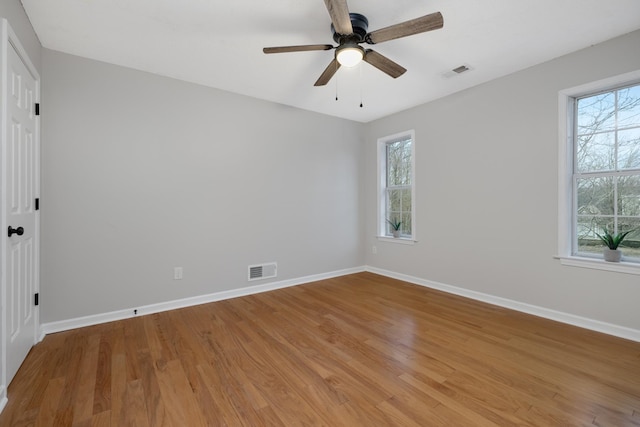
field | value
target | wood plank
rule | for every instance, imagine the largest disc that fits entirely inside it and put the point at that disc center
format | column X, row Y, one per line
column 182, row 408
column 83, row 405
column 49, row 403
column 102, row 390
column 136, row 411
column 358, row 350
column 118, row 388
column 102, row 419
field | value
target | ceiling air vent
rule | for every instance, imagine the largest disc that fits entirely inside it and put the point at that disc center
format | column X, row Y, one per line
column 458, row 70
column 263, row 271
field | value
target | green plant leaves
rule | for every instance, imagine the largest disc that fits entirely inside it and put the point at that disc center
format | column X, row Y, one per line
column 395, row 224
column 612, row 242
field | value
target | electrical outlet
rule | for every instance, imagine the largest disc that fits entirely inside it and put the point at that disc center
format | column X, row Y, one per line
column 177, row 273
column 374, row 250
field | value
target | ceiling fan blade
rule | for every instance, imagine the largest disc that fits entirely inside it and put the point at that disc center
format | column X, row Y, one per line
column 339, row 12
column 303, row 48
column 328, row 73
column 384, row 64
column 430, row 22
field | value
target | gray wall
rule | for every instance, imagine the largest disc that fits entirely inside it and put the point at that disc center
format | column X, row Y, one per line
column 142, row 173
column 487, row 191
column 13, row 11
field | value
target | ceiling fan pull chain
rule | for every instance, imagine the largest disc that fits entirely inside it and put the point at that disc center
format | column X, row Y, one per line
column 361, row 84
column 337, row 77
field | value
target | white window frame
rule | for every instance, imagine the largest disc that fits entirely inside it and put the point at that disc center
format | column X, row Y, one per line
column 382, row 185
column 566, row 223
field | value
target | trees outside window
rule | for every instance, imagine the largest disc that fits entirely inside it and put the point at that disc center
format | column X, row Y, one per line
column 606, row 169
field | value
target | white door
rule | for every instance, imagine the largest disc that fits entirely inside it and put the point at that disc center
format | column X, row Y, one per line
column 20, row 181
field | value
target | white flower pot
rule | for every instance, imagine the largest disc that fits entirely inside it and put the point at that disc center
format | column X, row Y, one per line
column 612, row 255
column 396, row 233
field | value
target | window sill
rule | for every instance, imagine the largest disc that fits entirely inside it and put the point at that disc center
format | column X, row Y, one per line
column 599, row 264
column 400, row 240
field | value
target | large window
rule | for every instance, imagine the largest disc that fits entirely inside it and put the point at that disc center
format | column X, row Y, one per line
column 605, row 138
column 396, row 186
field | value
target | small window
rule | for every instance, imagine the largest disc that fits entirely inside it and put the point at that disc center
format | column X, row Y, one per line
column 396, row 204
column 606, row 170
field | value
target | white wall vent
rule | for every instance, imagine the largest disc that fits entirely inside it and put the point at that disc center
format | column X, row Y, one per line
column 263, row 271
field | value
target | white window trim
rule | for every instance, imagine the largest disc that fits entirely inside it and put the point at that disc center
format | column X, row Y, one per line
column 382, row 173
column 566, row 99
column 399, row 240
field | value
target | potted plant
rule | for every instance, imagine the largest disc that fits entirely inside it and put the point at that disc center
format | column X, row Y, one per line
column 395, row 226
column 611, row 242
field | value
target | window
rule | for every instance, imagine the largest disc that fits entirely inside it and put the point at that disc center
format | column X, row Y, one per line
column 396, row 190
column 603, row 131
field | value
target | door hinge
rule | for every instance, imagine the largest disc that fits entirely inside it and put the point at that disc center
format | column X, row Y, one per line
column 36, row 299
column 37, row 108
column 38, row 204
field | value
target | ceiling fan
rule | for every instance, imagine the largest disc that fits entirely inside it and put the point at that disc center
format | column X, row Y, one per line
column 350, row 29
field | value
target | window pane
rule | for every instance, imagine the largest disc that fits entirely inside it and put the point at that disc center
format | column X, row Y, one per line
column 629, row 195
column 587, row 227
column 596, row 152
column 394, row 209
column 399, row 163
column 399, row 209
column 631, row 244
column 398, row 200
column 405, row 228
column 629, row 107
column 406, row 200
column 596, row 113
column 626, row 223
column 629, row 149
column 394, row 202
column 389, row 229
column 595, row 196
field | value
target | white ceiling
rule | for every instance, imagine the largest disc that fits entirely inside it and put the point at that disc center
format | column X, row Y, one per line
column 219, row 44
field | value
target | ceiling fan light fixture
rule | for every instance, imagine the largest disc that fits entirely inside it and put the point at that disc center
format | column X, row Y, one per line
column 349, row 55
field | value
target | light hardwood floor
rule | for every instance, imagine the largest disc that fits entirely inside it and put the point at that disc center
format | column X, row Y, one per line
column 359, row 350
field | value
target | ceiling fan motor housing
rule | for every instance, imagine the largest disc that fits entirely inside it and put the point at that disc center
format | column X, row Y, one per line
column 360, row 25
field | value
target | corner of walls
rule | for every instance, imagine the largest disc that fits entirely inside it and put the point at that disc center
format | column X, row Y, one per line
column 3, row 397
column 14, row 12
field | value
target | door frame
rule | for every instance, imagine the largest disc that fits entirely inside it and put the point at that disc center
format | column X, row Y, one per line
column 10, row 40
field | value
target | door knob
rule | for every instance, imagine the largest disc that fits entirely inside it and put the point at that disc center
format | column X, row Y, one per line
column 19, row 231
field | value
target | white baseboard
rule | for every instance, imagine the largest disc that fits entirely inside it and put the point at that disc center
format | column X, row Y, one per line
column 3, row 402
column 558, row 316
column 65, row 325
column 583, row 322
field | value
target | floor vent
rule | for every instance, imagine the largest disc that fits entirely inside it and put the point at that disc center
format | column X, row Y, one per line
column 263, row 271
